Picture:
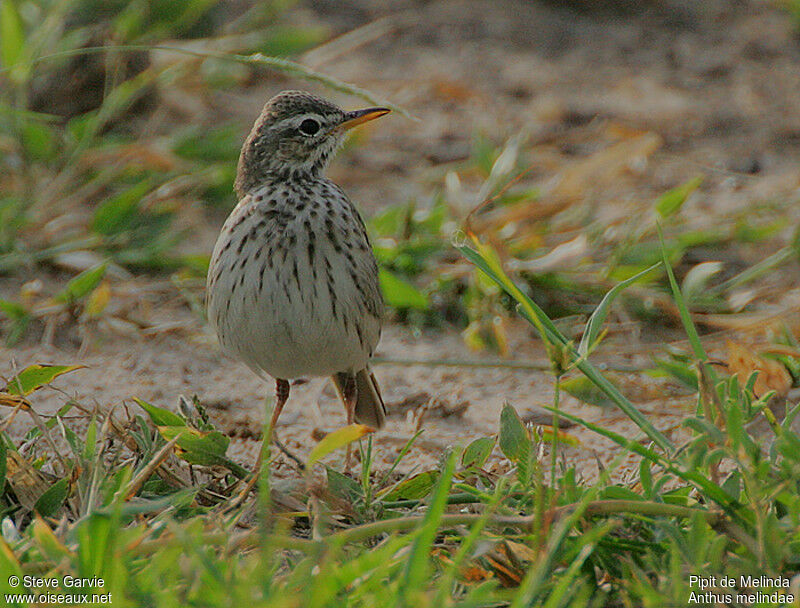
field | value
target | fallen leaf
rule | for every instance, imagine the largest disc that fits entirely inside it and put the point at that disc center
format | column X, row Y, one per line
column 772, row 376
column 27, row 482
column 35, row 376
column 337, row 439
column 475, row 574
column 449, row 90
column 13, row 401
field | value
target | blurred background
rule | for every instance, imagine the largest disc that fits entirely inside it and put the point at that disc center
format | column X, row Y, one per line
column 573, row 129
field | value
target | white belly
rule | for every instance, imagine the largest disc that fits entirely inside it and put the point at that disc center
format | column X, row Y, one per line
column 294, row 314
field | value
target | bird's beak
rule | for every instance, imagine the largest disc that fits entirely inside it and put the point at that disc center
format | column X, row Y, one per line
column 357, row 117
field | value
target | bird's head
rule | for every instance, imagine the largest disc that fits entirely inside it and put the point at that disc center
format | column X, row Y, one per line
column 296, row 135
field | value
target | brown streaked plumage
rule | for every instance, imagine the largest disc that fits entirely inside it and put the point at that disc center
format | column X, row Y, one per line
column 292, row 287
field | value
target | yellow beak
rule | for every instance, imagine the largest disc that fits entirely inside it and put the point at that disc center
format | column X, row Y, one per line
column 357, row 117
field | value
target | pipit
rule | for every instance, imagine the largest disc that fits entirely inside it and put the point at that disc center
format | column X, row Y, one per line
column 292, row 288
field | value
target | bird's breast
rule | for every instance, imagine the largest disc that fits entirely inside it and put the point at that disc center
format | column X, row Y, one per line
column 292, row 266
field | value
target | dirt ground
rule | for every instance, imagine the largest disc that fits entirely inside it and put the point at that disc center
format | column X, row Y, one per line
column 717, row 82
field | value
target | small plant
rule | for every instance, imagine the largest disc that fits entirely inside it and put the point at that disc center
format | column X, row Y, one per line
column 144, row 501
column 72, row 157
column 457, row 535
column 85, row 178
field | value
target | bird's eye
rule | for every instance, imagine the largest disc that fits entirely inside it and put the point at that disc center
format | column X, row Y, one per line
column 309, row 126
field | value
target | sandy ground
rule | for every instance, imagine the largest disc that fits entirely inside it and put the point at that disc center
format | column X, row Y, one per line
column 716, row 81
column 453, row 404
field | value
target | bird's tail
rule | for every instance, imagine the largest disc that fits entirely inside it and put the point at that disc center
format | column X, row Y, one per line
column 370, row 409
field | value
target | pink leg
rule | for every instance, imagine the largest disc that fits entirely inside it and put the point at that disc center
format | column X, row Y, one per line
column 349, row 396
column 281, row 396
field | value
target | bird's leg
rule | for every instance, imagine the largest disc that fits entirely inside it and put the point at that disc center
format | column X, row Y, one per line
column 281, row 396
column 349, row 396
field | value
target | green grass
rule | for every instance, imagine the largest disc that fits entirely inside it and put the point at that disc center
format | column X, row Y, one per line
column 123, row 508
column 128, row 196
column 81, row 153
column 146, row 499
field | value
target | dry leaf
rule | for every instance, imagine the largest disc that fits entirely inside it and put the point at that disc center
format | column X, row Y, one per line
column 475, row 574
column 510, row 561
column 27, row 481
column 13, row 401
column 601, row 167
column 98, row 300
column 452, row 91
column 508, row 575
column 772, row 376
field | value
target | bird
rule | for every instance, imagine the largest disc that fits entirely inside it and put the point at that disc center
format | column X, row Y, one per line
column 292, row 287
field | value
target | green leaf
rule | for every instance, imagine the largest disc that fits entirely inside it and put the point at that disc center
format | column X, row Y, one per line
column 180, row 499
column 291, row 40
column 646, row 477
column 49, row 544
column 342, row 486
column 400, row 294
column 205, row 448
column 12, row 310
column 39, row 140
column 695, row 283
column 502, row 167
column 116, row 213
column 49, row 424
column 81, row 285
column 682, row 371
column 337, row 439
column 89, row 447
column 9, row 564
column 196, row 265
column 71, row 437
column 515, row 442
column 391, row 221
column 177, row 17
column 478, row 452
column 484, row 152
column 413, row 488
column 586, row 391
column 598, row 317
column 733, row 484
column 12, row 34
column 97, row 535
column 19, row 320
column 218, row 144
column 35, row 376
column 160, row 416
column 705, row 427
column 671, row 202
column 707, row 486
column 550, row 333
column 116, row 101
column 52, row 498
column 678, row 496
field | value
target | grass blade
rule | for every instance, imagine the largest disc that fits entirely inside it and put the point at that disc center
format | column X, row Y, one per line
column 417, row 566
column 709, row 488
column 686, row 317
column 598, row 317
column 275, row 63
column 535, row 315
